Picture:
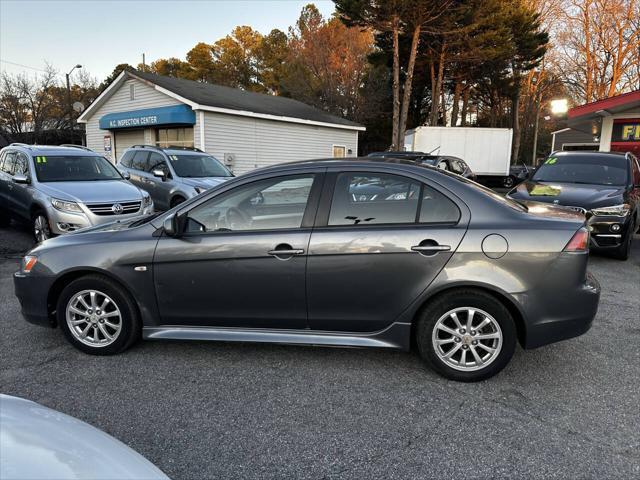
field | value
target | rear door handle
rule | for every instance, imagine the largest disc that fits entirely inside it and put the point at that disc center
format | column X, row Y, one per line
column 431, row 248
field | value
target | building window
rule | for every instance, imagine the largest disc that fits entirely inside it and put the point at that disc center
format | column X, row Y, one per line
column 177, row 137
column 132, row 92
column 339, row 151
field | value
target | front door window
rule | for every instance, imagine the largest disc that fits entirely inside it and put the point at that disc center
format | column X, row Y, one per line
column 272, row 204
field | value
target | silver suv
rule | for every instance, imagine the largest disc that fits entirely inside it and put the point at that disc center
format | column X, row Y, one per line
column 172, row 175
column 63, row 189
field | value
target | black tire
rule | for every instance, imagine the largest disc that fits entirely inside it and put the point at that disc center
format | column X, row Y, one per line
column 130, row 319
column 476, row 299
column 5, row 219
column 176, row 201
column 508, row 182
column 624, row 250
column 40, row 226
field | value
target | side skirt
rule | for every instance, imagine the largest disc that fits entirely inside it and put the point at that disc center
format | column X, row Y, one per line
column 397, row 336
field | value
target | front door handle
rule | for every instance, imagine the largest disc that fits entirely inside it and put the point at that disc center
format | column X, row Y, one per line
column 285, row 251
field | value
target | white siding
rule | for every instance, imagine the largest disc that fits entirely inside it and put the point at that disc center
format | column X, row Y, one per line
column 120, row 101
column 258, row 143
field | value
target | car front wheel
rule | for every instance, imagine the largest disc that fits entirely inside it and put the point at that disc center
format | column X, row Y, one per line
column 98, row 316
column 41, row 228
column 466, row 335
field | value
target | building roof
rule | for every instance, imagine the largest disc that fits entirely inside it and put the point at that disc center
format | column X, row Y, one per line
column 207, row 96
column 605, row 107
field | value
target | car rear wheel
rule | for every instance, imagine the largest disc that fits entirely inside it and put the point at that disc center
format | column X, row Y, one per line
column 98, row 316
column 41, row 228
column 466, row 335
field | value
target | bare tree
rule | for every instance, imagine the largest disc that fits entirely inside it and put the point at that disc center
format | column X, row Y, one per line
column 599, row 47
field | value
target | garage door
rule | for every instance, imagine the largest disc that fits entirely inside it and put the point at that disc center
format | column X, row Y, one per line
column 127, row 138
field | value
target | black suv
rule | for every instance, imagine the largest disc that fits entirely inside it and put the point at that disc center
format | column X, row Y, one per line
column 605, row 186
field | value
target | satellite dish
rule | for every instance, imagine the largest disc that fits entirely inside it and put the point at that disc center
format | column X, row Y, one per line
column 78, row 106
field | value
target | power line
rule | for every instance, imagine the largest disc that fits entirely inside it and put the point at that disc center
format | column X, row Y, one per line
column 21, row 65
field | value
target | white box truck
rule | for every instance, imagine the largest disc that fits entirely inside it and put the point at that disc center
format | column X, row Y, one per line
column 487, row 151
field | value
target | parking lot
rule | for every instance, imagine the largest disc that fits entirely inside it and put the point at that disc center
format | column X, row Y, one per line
column 216, row 410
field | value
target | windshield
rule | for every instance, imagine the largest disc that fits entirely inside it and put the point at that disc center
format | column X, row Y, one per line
column 589, row 169
column 198, row 166
column 74, row 168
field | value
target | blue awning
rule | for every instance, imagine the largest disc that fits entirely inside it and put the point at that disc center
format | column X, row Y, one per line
column 176, row 115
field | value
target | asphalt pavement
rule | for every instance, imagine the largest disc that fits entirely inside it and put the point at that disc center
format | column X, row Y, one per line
column 227, row 410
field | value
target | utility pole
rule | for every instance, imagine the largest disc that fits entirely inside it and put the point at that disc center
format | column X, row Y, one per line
column 69, row 104
column 535, row 131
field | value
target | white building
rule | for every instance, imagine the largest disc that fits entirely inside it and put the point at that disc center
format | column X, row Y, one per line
column 244, row 129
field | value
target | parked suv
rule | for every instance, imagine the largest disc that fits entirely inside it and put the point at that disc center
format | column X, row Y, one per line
column 62, row 189
column 172, row 175
column 605, row 186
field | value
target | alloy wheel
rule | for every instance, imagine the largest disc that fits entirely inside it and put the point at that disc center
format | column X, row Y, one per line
column 467, row 339
column 93, row 318
column 41, row 228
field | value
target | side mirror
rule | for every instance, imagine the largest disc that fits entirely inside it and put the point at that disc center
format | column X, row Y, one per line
column 21, row 178
column 170, row 225
column 159, row 173
column 126, row 175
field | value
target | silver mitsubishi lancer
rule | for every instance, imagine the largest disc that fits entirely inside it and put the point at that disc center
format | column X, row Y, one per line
column 63, row 189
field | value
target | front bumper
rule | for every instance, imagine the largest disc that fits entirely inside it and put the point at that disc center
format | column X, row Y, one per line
column 32, row 292
column 65, row 222
column 608, row 232
column 567, row 314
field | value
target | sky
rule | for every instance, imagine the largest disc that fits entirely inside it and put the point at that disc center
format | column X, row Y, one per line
column 100, row 34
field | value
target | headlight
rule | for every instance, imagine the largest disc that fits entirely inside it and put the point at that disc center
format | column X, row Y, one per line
column 613, row 211
column 28, row 262
column 146, row 201
column 65, row 206
column 199, row 190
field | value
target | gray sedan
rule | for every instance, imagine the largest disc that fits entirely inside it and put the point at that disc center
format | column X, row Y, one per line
column 359, row 252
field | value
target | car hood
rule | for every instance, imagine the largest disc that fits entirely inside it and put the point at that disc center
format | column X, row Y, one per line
column 570, row 194
column 38, row 443
column 92, row 192
column 205, row 182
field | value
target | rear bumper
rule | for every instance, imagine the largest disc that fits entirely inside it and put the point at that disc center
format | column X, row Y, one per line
column 32, row 295
column 568, row 314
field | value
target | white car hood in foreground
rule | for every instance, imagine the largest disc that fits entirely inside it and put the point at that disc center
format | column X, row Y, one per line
column 39, row 443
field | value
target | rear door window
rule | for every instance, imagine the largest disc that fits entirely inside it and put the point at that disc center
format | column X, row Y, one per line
column 139, row 161
column 373, row 198
column 127, row 158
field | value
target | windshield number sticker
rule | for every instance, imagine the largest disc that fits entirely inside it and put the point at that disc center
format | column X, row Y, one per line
column 41, row 159
column 551, row 161
column 173, row 157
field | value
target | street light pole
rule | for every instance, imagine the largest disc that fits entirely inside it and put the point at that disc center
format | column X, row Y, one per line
column 69, row 105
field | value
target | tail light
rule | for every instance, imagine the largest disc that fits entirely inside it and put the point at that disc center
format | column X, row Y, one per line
column 579, row 242
column 28, row 263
